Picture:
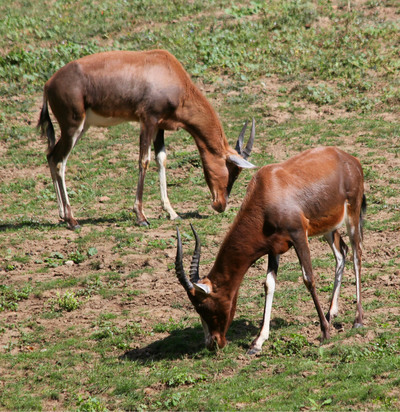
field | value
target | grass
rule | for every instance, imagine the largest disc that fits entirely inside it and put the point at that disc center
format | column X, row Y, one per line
column 94, row 320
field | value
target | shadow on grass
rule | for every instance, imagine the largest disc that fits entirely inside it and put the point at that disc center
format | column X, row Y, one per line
column 35, row 225
column 187, row 342
column 31, row 223
column 192, row 215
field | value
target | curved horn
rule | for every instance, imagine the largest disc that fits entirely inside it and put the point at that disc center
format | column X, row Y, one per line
column 239, row 143
column 180, row 273
column 247, row 151
column 194, row 267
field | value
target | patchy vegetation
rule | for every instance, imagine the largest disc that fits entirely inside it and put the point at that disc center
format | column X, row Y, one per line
column 95, row 319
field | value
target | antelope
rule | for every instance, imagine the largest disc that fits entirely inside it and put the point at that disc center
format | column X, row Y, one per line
column 149, row 87
column 310, row 194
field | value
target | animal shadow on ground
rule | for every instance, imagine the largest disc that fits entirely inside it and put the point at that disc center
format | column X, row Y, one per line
column 185, row 342
column 28, row 224
column 125, row 217
column 33, row 224
column 192, row 215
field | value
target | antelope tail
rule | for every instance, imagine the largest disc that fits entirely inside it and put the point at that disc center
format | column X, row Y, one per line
column 45, row 124
column 362, row 213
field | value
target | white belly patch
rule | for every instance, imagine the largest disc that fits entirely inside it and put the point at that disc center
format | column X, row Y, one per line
column 93, row 119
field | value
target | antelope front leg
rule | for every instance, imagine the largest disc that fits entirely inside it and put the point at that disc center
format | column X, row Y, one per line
column 147, row 131
column 300, row 243
column 269, row 285
column 161, row 159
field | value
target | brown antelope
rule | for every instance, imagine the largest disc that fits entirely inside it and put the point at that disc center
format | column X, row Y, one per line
column 310, row 194
column 149, row 87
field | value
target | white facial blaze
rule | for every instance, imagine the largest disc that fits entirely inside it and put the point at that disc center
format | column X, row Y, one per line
column 207, row 335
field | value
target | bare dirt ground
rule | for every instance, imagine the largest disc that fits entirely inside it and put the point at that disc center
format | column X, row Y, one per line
column 160, row 296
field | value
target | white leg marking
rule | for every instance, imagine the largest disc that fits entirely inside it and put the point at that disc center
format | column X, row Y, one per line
column 161, row 161
column 357, row 272
column 60, row 168
column 303, row 271
column 57, row 190
column 334, row 310
column 351, row 228
column 269, row 296
column 340, row 261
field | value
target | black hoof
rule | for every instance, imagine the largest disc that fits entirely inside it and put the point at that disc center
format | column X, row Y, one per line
column 143, row 223
column 74, row 227
column 253, row 351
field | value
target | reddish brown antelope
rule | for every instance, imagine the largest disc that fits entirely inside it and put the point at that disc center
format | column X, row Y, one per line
column 310, row 194
column 149, row 87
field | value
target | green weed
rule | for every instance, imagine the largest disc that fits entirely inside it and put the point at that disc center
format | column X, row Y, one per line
column 10, row 296
column 311, row 73
column 65, row 302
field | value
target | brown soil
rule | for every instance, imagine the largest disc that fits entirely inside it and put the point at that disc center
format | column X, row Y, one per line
column 160, row 295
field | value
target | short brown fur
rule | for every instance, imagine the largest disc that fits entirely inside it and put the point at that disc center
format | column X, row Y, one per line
column 149, row 87
column 308, row 195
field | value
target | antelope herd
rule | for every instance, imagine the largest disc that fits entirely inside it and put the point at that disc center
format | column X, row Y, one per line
column 310, row 194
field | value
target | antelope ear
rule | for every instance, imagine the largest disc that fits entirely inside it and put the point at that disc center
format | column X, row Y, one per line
column 202, row 288
column 240, row 162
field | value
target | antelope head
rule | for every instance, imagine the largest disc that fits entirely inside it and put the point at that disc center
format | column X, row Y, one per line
column 220, row 178
column 215, row 313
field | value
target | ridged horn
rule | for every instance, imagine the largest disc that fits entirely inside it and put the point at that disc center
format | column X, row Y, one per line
column 194, row 266
column 245, row 153
column 180, row 272
column 247, row 150
column 239, row 143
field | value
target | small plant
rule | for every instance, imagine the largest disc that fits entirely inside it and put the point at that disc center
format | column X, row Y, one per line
column 173, row 401
column 106, row 332
column 112, row 335
column 158, row 244
column 54, row 260
column 90, row 405
column 77, row 257
column 179, row 378
column 90, row 287
column 92, row 251
column 318, row 406
column 320, row 94
column 290, row 345
column 240, row 11
column 66, row 302
column 362, row 104
column 9, row 296
column 169, row 326
column 9, row 267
